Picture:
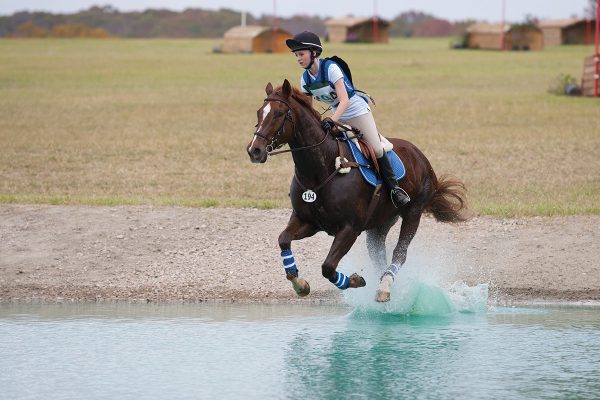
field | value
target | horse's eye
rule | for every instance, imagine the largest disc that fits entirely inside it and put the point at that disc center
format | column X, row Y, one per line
column 256, row 126
column 278, row 113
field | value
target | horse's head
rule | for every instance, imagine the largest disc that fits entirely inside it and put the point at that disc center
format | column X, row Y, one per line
column 275, row 125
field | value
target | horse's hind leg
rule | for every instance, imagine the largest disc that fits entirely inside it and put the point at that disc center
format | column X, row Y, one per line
column 296, row 229
column 376, row 243
column 410, row 223
column 344, row 239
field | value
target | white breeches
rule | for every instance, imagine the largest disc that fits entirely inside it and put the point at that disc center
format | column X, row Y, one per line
column 366, row 124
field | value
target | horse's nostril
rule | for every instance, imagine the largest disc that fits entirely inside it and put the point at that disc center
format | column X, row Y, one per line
column 256, row 151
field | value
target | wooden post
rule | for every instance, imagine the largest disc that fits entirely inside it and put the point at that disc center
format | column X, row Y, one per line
column 588, row 30
column 597, row 59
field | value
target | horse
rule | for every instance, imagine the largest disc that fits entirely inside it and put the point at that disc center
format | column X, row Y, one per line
column 344, row 205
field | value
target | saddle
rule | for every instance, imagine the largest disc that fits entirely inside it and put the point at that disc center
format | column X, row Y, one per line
column 363, row 157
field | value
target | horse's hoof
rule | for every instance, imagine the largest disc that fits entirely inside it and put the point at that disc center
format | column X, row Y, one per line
column 382, row 297
column 356, row 281
column 301, row 287
column 383, row 291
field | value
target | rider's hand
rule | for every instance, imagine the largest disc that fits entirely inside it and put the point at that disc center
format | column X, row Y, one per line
column 327, row 124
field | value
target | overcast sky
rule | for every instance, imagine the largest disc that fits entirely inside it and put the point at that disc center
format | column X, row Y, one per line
column 490, row 10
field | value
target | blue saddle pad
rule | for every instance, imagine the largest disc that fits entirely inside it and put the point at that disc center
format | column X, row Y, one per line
column 367, row 170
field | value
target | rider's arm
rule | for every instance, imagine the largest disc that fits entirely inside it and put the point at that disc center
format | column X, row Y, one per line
column 302, row 83
column 340, row 90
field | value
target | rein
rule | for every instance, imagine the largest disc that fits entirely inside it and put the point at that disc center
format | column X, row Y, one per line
column 274, row 153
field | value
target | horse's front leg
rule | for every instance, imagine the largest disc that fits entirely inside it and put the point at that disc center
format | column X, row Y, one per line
column 296, row 229
column 410, row 224
column 342, row 243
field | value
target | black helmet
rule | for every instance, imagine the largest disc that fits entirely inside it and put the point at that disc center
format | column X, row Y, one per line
column 305, row 41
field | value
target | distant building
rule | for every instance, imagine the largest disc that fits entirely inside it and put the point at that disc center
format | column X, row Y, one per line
column 357, row 30
column 516, row 37
column 255, row 39
column 568, row 31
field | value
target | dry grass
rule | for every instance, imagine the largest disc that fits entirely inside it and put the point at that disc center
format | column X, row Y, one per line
column 167, row 122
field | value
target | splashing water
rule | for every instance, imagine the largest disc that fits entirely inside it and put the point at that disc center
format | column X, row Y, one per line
column 417, row 290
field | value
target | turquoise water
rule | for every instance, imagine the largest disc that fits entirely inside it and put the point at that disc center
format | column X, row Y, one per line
column 229, row 351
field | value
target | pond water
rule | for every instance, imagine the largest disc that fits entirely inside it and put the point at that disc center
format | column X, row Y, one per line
column 252, row 351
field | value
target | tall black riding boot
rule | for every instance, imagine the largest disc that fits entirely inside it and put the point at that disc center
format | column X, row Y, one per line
column 398, row 195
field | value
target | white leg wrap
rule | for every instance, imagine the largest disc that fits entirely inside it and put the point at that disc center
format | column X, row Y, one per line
column 385, row 284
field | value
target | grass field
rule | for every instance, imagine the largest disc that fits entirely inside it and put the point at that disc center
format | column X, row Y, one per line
column 166, row 122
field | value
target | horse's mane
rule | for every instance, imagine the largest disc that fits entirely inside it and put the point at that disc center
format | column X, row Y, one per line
column 304, row 100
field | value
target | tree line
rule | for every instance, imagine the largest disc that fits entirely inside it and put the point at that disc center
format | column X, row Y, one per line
column 101, row 22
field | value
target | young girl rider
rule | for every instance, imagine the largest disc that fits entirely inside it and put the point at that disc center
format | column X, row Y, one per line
column 336, row 90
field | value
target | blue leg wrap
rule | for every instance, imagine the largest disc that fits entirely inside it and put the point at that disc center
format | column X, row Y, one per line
column 393, row 270
column 288, row 261
column 340, row 280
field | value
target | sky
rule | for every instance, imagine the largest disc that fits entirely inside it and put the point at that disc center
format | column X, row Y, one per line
column 453, row 10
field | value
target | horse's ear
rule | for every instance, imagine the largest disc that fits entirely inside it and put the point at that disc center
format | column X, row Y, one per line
column 286, row 89
column 269, row 89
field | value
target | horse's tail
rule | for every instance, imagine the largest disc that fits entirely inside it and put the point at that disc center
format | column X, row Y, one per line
column 448, row 203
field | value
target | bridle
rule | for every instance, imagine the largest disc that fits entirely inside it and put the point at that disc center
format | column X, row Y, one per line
column 289, row 116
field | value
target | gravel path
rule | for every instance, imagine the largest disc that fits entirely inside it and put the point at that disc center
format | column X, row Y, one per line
column 62, row 253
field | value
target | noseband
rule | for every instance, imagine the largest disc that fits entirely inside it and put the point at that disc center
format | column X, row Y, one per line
column 289, row 116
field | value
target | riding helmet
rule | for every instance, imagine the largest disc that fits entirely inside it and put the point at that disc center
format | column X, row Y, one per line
column 305, row 41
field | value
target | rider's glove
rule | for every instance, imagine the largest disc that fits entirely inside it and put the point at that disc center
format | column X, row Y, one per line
column 327, row 124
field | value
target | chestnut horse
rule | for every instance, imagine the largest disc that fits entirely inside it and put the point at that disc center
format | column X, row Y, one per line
column 344, row 205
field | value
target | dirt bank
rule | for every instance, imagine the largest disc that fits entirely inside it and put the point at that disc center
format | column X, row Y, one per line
column 61, row 253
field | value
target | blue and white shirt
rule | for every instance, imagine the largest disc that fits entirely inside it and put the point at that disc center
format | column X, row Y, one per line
column 324, row 91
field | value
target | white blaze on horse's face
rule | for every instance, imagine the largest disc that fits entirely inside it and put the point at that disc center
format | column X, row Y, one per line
column 265, row 113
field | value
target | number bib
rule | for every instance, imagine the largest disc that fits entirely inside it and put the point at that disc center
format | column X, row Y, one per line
column 323, row 92
column 309, row 196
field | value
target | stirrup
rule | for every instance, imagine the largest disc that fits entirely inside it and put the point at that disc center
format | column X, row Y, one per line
column 399, row 192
